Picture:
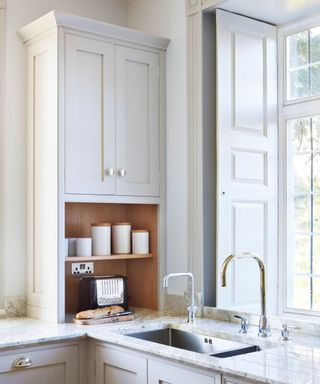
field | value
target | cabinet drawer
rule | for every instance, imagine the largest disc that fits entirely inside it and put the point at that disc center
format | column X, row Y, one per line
column 56, row 365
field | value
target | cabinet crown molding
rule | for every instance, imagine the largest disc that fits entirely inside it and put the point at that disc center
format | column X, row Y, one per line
column 61, row 19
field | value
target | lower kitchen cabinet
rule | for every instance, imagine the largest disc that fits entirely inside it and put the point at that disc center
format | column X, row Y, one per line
column 55, row 365
column 163, row 373
column 117, row 367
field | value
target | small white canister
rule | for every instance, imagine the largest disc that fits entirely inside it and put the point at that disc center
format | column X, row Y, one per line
column 140, row 241
column 71, row 246
column 84, row 247
column 101, row 239
column 121, row 238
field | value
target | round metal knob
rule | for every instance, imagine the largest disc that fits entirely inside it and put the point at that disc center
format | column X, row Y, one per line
column 122, row 172
column 22, row 362
column 110, row 171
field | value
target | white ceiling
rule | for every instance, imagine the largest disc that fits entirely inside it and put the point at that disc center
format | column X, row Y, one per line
column 274, row 11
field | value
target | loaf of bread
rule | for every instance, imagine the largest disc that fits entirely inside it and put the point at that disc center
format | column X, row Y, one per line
column 99, row 312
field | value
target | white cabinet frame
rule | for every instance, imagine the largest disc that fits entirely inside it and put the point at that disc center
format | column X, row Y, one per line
column 48, row 301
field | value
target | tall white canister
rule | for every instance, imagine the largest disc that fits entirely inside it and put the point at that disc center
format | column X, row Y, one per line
column 121, row 238
column 101, row 239
column 140, row 241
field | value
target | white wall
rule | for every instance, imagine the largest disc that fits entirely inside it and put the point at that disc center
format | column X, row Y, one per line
column 13, row 172
column 167, row 18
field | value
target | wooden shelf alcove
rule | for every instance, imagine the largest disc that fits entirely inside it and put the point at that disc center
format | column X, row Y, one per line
column 141, row 270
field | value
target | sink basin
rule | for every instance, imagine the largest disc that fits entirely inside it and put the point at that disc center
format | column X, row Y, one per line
column 212, row 346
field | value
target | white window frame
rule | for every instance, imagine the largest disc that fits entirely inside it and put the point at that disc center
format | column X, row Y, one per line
column 2, row 61
column 289, row 109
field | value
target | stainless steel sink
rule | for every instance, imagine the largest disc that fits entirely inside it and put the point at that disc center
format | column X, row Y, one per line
column 212, row 346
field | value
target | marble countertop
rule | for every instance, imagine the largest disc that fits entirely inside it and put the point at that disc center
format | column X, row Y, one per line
column 293, row 362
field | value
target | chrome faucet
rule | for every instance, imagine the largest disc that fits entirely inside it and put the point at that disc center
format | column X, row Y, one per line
column 264, row 327
column 192, row 309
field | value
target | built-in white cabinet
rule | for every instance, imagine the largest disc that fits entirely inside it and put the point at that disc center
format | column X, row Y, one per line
column 112, row 119
column 118, row 367
column 49, row 365
column 160, row 373
column 96, row 134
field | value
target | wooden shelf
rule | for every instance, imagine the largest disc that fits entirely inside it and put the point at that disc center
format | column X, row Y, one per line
column 130, row 256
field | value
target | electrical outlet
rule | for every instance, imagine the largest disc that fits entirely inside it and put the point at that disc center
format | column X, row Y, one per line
column 82, row 269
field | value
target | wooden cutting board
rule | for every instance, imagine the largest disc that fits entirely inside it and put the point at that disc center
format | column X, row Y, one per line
column 104, row 320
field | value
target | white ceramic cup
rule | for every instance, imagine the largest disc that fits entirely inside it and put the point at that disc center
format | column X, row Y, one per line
column 140, row 241
column 84, row 246
column 71, row 246
column 101, row 239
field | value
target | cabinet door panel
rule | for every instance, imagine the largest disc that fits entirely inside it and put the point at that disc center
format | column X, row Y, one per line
column 137, row 116
column 56, row 365
column 90, row 116
column 116, row 367
column 160, row 373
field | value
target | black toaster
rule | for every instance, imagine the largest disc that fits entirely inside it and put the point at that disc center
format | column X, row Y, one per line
column 103, row 291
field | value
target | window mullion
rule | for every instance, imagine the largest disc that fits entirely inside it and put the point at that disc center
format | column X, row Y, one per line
column 311, row 213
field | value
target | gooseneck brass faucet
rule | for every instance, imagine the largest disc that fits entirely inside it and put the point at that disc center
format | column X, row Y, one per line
column 264, row 327
column 192, row 309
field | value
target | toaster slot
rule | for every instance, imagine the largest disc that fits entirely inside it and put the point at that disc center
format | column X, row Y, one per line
column 110, row 291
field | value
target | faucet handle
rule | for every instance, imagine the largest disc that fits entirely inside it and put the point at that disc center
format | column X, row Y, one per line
column 244, row 325
column 285, row 333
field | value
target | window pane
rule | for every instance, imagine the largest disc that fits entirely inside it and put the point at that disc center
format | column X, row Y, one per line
column 300, row 130
column 302, row 173
column 302, row 214
column 316, row 172
column 316, row 133
column 303, row 64
column 316, row 294
column 298, row 49
column 315, row 80
column 299, row 83
column 301, row 292
column 316, row 214
column 316, row 255
column 315, row 44
column 302, row 254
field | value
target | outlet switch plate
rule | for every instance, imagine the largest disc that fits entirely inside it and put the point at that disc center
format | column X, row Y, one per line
column 82, row 269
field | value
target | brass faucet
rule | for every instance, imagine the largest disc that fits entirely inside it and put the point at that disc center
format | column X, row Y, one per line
column 264, row 327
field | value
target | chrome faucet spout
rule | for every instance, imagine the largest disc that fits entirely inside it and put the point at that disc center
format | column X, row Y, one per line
column 192, row 309
column 264, row 327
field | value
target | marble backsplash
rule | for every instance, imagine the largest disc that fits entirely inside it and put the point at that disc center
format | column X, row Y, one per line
column 178, row 304
column 14, row 307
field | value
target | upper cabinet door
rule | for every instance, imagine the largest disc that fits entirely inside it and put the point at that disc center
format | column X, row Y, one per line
column 90, row 116
column 137, row 116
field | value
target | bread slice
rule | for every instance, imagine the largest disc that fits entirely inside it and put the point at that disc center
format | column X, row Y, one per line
column 99, row 312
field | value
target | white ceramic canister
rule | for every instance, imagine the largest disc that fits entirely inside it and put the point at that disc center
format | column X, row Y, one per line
column 140, row 241
column 84, row 247
column 101, row 239
column 121, row 238
column 72, row 241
